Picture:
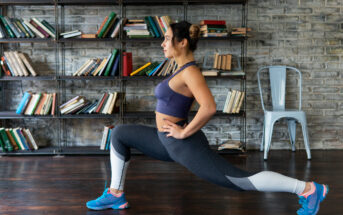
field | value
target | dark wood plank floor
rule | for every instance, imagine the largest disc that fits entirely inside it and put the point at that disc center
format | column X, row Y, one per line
column 62, row 185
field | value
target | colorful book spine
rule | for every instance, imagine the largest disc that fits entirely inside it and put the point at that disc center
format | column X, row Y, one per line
column 23, row 103
column 127, row 63
column 110, row 63
column 106, row 25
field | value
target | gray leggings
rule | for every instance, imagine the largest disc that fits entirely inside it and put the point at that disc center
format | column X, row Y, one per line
column 193, row 153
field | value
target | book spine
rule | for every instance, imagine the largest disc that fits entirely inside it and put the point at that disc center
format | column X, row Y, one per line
column 102, row 25
column 35, row 30
column 154, row 27
column 110, row 63
column 44, row 28
column 115, row 69
column 32, row 35
column 109, row 20
column 14, row 30
column 20, row 28
column 7, row 27
column 41, row 30
column 7, row 146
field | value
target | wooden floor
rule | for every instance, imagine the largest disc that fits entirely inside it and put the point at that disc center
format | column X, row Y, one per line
column 62, row 185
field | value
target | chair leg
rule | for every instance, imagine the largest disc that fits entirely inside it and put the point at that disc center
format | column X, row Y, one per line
column 292, row 132
column 306, row 139
column 268, row 132
column 262, row 141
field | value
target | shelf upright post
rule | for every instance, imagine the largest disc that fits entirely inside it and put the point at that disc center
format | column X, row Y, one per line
column 185, row 7
column 122, row 47
column 2, row 83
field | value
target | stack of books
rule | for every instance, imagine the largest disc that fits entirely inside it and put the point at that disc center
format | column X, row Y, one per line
column 14, row 63
column 106, row 138
column 101, row 67
column 107, row 104
column 19, row 28
column 110, row 26
column 37, row 104
column 70, row 34
column 150, row 26
column 213, row 28
column 234, row 101
column 166, row 67
column 16, row 139
column 243, row 32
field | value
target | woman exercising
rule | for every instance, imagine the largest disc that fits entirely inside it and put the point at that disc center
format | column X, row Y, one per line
column 176, row 140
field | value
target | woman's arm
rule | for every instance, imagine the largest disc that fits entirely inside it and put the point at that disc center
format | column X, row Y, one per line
column 196, row 83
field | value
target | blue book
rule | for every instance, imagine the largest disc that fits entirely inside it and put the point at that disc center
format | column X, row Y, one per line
column 115, row 65
column 22, row 138
column 24, row 101
column 108, row 141
column 158, row 67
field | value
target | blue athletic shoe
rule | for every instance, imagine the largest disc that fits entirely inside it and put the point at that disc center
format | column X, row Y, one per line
column 310, row 205
column 108, row 200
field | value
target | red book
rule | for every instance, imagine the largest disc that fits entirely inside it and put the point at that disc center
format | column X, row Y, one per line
column 53, row 104
column 101, row 103
column 46, row 35
column 127, row 63
column 4, row 67
column 212, row 22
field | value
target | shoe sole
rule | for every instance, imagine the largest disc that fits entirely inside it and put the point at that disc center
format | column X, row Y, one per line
column 116, row 207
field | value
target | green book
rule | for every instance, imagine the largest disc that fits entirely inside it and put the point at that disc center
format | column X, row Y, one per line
column 152, row 67
column 48, row 26
column 146, row 19
column 37, row 101
column 7, row 144
column 15, row 139
column 106, row 25
column 21, row 28
column 110, row 63
column 8, row 29
column 2, row 145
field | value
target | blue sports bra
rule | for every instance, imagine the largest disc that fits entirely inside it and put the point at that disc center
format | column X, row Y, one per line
column 170, row 102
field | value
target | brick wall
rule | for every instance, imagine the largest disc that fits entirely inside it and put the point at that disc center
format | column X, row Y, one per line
column 299, row 33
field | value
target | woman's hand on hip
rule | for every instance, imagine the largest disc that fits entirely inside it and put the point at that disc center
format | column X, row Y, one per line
column 173, row 129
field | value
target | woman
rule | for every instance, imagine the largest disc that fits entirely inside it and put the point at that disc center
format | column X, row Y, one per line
column 186, row 144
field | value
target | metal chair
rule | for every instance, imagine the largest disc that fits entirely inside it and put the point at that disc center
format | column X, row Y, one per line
column 277, row 76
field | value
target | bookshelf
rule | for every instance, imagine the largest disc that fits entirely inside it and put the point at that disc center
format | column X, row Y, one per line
column 59, row 79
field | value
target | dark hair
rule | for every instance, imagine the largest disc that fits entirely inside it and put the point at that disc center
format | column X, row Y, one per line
column 185, row 30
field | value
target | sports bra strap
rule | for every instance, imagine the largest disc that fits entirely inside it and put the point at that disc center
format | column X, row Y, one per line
column 183, row 67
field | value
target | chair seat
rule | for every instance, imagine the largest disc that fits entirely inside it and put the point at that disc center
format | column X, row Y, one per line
column 284, row 113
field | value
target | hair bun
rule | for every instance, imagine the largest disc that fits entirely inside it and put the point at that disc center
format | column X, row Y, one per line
column 194, row 32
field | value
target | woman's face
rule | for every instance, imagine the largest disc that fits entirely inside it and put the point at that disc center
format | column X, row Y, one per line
column 168, row 48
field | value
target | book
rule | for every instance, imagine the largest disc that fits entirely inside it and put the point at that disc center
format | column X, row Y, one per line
column 101, row 103
column 140, row 68
column 127, row 63
column 232, row 98
column 20, row 63
column 111, row 106
column 31, row 33
column 110, row 27
column 15, row 139
column 110, row 62
column 98, row 69
column 72, row 35
column 107, row 104
column 212, row 22
column 7, row 27
column 35, row 30
column 40, row 29
column 240, row 102
column 11, row 139
column 6, row 144
column 27, row 64
column 29, row 134
column 44, row 28
column 211, row 72
column 48, row 26
column 21, row 28
column 104, row 138
column 102, row 25
column 40, row 104
column 115, row 68
column 105, row 65
column 20, row 142
column 88, row 35
column 23, row 103
column 106, row 25
column 13, row 28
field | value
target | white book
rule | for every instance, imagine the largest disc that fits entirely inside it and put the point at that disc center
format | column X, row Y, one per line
column 240, row 102
column 35, row 30
column 48, row 105
column 104, row 138
column 35, row 104
column 229, row 107
column 227, row 101
column 69, row 102
column 110, row 109
column 69, row 32
column 72, row 107
column 72, row 35
column 44, row 28
column 30, row 106
column 27, row 64
column 116, row 29
column 11, row 64
column 107, row 105
column 15, row 63
column 21, row 64
column 236, row 102
column 82, row 67
column 29, row 135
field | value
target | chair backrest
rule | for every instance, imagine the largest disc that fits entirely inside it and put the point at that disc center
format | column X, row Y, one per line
column 277, row 77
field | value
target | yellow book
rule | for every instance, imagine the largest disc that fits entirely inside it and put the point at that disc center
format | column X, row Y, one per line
column 140, row 69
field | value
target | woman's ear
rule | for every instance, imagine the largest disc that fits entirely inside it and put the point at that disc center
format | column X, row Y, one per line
column 184, row 43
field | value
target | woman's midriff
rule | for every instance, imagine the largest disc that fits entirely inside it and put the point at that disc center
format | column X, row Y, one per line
column 160, row 120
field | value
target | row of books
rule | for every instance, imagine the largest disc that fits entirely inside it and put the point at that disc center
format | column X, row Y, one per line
column 166, row 67
column 14, row 63
column 69, row 34
column 108, row 103
column 37, row 104
column 240, row 31
column 19, row 28
column 234, row 101
column 101, row 67
column 150, row 26
column 213, row 28
column 222, row 61
column 110, row 26
column 106, row 138
column 16, row 139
